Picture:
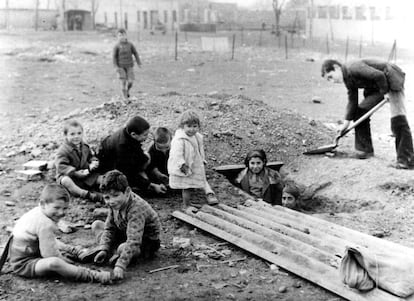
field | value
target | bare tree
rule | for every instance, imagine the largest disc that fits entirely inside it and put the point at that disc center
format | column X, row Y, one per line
column 62, row 8
column 277, row 8
column 94, row 9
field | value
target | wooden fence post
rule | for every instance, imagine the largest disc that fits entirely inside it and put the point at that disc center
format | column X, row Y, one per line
column 346, row 48
column 176, row 45
column 327, row 44
column 232, row 48
column 286, row 47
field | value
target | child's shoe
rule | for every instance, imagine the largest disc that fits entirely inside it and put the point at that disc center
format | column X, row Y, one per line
column 88, row 254
column 211, row 199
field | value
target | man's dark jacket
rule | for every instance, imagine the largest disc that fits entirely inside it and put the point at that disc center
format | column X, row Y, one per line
column 376, row 78
column 122, row 152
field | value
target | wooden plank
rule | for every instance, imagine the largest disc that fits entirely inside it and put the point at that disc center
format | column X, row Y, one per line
column 289, row 242
column 314, row 223
column 322, row 275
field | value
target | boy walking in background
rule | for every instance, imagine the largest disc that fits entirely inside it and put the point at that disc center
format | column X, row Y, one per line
column 124, row 62
column 76, row 165
column 34, row 250
column 132, row 228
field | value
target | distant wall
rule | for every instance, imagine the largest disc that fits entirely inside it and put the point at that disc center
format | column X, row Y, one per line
column 25, row 18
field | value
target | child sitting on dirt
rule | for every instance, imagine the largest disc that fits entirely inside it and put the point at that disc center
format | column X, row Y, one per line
column 187, row 159
column 259, row 180
column 159, row 153
column 132, row 227
column 124, row 62
column 123, row 151
column 299, row 197
column 76, row 165
column 34, row 250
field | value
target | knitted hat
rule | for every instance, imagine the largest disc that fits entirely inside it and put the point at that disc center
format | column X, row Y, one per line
column 137, row 125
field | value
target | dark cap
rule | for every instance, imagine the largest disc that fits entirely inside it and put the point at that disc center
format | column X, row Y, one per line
column 137, row 125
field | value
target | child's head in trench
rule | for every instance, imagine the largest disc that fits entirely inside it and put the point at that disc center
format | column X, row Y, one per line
column 256, row 161
column 290, row 196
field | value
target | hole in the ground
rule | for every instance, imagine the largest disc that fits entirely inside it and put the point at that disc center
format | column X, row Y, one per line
column 308, row 201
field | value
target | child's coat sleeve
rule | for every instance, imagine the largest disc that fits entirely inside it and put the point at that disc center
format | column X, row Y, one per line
column 134, row 233
column 62, row 162
column 115, row 56
column 109, row 233
column 135, row 53
column 177, row 158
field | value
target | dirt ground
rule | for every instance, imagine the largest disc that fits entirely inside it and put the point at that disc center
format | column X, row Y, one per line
column 259, row 99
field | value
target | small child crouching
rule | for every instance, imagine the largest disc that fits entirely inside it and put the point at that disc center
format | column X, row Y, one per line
column 186, row 161
column 259, row 180
column 159, row 153
column 34, row 250
column 76, row 165
column 132, row 228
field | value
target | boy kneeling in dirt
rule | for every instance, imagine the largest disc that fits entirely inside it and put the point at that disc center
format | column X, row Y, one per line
column 34, row 250
column 132, row 227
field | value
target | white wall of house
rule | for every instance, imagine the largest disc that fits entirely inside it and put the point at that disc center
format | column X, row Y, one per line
column 369, row 20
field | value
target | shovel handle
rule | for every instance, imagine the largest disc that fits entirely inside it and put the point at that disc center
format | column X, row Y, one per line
column 362, row 118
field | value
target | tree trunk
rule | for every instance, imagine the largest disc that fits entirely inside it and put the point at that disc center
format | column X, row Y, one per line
column 311, row 20
column 62, row 15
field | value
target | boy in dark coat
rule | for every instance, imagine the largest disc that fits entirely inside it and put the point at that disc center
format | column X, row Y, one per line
column 380, row 80
column 76, row 165
column 123, row 151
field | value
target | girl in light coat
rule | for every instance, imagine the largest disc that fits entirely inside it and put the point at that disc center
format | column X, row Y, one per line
column 187, row 159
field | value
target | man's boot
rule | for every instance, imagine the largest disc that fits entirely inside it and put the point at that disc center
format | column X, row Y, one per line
column 88, row 275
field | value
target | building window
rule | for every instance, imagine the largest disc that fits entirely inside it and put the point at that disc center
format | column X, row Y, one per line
column 322, row 12
column 360, row 13
column 373, row 13
column 126, row 20
column 116, row 19
column 138, row 16
column 145, row 18
column 346, row 13
column 334, row 12
column 165, row 17
column 174, row 16
column 388, row 15
column 105, row 18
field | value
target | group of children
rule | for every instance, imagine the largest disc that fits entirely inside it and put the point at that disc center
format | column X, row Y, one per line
column 117, row 174
column 132, row 227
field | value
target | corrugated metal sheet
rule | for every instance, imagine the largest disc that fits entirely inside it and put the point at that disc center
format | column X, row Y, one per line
column 304, row 245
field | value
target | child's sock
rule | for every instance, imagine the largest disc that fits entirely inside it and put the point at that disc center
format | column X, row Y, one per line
column 88, row 275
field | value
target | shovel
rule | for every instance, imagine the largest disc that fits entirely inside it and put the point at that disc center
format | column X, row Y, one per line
column 330, row 147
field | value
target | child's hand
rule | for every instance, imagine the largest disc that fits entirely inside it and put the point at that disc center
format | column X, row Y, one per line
column 118, row 273
column 100, row 257
column 185, row 169
column 159, row 188
column 82, row 173
column 94, row 165
column 163, row 178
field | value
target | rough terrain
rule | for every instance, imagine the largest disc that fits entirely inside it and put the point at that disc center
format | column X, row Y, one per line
column 259, row 99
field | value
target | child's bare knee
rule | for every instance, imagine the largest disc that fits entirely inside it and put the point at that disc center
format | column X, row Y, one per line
column 54, row 263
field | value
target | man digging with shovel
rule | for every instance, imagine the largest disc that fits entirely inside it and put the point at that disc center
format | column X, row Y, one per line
column 379, row 80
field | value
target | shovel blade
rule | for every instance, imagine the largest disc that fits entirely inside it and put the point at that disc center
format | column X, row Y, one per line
column 321, row 150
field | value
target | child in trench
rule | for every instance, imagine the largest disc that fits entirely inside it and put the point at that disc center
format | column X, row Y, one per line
column 300, row 197
column 186, row 162
column 260, row 181
column 34, row 250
